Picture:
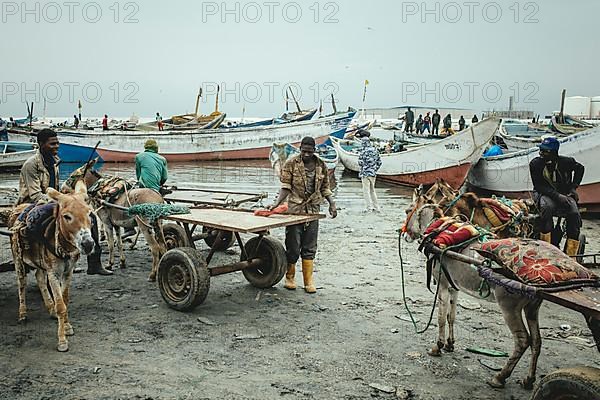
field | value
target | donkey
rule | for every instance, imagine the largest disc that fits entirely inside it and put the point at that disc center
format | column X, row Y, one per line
column 472, row 207
column 465, row 277
column 113, row 218
column 52, row 249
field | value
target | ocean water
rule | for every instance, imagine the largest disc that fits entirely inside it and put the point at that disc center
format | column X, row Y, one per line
column 239, row 176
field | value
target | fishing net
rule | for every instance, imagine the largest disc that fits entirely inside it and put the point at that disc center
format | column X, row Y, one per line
column 154, row 211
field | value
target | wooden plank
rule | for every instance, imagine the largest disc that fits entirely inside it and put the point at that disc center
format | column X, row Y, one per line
column 586, row 300
column 212, row 197
column 240, row 220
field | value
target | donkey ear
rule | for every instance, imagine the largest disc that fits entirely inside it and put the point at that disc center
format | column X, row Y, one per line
column 420, row 190
column 80, row 187
column 54, row 194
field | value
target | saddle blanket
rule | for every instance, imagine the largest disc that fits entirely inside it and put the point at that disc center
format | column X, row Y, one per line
column 534, row 262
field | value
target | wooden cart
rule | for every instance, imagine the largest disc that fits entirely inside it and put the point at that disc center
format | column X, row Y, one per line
column 581, row 383
column 205, row 197
column 184, row 274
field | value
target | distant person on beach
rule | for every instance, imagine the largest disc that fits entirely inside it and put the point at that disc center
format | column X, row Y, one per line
column 461, row 123
column 304, row 184
column 426, row 124
column 419, row 124
column 75, row 121
column 447, row 129
column 409, row 120
column 159, row 122
column 369, row 162
column 435, row 121
column 39, row 173
column 475, row 119
column 105, row 123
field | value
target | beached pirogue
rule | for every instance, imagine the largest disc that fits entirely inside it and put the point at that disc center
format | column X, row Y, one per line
column 450, row 158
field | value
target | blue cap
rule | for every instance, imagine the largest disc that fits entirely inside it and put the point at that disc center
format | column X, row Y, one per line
column 550, row 143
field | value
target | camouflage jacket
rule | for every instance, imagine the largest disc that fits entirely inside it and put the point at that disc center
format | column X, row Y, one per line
column 293, row 177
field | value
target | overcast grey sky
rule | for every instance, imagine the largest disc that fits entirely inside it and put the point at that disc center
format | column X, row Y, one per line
column 152, row 56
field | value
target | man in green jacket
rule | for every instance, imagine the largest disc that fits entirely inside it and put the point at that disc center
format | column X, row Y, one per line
column 151, row 167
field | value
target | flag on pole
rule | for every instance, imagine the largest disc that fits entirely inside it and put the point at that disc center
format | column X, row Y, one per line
column 365, row 90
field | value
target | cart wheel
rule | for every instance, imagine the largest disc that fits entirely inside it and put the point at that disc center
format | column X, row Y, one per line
column 175, row 236
column 183, row 278
column 581, row 383
column 273, row 268
column 581, row 250
column 227, row 239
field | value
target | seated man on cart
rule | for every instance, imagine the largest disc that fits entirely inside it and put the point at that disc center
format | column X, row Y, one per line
column 304, row 183
column 555, row 180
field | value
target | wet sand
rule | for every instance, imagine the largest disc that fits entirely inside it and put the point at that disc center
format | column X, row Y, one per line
column 349, row 341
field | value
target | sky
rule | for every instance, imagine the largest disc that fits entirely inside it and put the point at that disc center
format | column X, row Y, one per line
column 145, row 57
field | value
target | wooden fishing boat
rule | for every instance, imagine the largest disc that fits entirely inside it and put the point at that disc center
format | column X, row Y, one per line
column 14, row 154
column 281, row 152
column 449, row 158
column 508, row 174
column 206, row 144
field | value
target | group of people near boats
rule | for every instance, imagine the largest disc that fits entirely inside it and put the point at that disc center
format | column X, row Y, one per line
column 431, row 124
column 305, row 186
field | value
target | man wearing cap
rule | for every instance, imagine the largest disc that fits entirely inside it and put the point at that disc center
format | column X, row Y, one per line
column 555, row 180
column 151, row 167
column 39, row 173
column 304, row 183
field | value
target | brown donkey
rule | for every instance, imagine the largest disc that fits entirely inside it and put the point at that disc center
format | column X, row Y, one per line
column 475, row 209
column 113, row 218
column 49, row 238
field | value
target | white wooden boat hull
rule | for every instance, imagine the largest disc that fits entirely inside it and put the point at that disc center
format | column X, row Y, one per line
column 449, row 158
column 509, row 175
column 209, row 144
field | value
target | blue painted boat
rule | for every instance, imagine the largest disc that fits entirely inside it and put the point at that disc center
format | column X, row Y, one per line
column 75, row 153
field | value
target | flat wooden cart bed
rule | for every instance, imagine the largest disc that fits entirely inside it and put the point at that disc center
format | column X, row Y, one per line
column 184, row 274
column 580, row 383
column 205, row 197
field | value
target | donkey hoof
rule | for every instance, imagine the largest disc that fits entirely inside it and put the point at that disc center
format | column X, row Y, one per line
column 528, row 382
column 449, row 347
column 152, row 278
column 123, row 264
column 69, row 330
column 496, row 383
column 62, row 347
column 435, row 352
column 22, row 318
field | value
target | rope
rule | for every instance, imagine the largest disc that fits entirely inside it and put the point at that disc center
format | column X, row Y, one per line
column 155, row 211
column 404, row 291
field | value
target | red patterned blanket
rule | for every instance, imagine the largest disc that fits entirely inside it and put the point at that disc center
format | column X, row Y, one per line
column 534, row 262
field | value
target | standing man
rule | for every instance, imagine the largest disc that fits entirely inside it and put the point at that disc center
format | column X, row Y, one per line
column 369, row 162
column 435, row 121
column 151, row 167
column 426, row 124
column 555, row 180
column 475, row 119
column 448, row 125
column 461, row 123
column 419, row 125
column 75, row 121
column 39, row 173
column 159, row 122
column 409, row 120
column 304, row 183
column 105, row 123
